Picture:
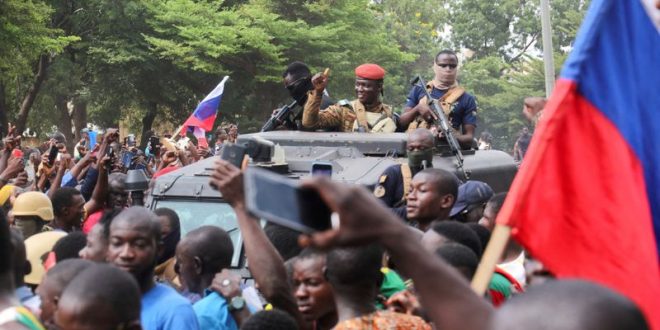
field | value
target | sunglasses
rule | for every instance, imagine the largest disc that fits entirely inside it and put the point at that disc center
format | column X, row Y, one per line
column 295, row 84
column 451, row 66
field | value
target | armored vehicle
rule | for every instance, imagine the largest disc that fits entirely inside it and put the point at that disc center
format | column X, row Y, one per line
column 355, row 157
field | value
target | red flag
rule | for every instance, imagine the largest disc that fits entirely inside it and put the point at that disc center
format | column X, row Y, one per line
column 586, row 201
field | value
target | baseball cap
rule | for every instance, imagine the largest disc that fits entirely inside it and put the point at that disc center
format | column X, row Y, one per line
column 471, row 193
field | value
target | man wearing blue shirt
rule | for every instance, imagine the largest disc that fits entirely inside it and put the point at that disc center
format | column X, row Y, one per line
column 204, row 252
column 459, row 106
column 134, row 243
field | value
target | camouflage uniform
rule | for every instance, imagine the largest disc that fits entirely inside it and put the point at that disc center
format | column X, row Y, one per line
column 341, row 116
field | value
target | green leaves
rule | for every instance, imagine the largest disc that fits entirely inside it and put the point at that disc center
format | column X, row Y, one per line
column 121, row 57
column 25, row 34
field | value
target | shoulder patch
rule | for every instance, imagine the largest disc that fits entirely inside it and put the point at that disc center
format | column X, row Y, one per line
column 379, row 191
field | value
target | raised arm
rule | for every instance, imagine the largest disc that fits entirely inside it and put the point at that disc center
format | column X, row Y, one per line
column 446, row 296
column 313, row 117
column 266, row 265
column 85, row 161
column 61, row 169
column 9, row 143
column 90, row 190
column 101, row 190
column 13, row 168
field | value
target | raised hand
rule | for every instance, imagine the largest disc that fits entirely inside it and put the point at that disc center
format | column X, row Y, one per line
column 228, row 179
column 362, row 217
column 320, row 82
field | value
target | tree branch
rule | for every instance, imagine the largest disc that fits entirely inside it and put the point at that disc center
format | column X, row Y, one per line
column 524, row 50
column 28, row 100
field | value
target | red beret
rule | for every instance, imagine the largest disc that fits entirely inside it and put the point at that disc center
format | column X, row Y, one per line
column 370, row 71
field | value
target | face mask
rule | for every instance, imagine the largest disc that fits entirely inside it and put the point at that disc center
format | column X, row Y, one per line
column 418, row 158
column 28, row 227
column 299, row 92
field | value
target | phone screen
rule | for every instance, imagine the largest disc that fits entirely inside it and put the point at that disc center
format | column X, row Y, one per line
column 322, row 169
column 280, row 200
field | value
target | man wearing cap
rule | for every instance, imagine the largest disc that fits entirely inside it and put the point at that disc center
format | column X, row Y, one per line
column 31, row 212
column 365, row 114
column 472, row 198
column 459, row 106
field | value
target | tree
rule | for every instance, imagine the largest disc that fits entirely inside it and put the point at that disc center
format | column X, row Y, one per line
column 27, row 46
column 506, row 66
column 254, row 41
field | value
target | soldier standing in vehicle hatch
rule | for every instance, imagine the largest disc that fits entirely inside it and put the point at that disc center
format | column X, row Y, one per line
column 365, row 114
column 459, row 106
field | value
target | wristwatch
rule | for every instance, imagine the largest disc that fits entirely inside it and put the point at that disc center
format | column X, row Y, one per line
column 236, row 304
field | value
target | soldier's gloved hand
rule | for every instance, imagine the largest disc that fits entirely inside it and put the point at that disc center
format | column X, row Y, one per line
column 320, row 82
column 425, row 112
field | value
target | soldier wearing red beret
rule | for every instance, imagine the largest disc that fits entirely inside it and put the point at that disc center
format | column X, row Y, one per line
column 365, row 114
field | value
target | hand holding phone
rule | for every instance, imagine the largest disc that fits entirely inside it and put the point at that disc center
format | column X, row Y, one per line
column 110, row 155
column 282, row 200
column 52, row 154
column 154, row 145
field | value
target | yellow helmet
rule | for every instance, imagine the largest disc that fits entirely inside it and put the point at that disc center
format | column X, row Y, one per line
column 5, row 193
column 36, row 246
column 33, row 203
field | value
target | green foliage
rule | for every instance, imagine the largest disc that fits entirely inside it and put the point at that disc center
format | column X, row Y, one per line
column 506, row 66
column 132, row 54
column 25, row 34
column 254, row 41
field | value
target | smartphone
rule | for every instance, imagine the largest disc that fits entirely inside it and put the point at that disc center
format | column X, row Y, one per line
column 234, row 154
column 154, row 149
column 111, row 154
column 130, row 140
column 127, row 158
column 322, row 169
column 83, row 143
column 52, row 155
column 281, row 200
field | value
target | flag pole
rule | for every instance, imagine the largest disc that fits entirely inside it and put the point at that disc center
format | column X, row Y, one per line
column 176, row 133
column 548, row 59
column 492, row 254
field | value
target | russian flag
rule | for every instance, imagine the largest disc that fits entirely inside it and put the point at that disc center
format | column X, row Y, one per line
column 586, row 201
column 203, row 117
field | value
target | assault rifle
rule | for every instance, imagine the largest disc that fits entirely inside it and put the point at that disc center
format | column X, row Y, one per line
column 278, row 118
column 443, row 124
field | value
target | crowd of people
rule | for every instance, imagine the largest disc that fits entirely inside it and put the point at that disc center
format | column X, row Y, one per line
column 80, row 252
